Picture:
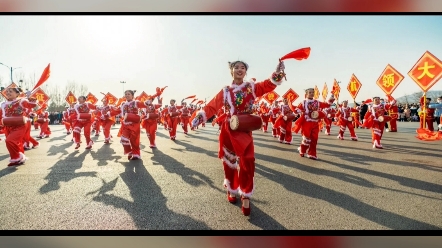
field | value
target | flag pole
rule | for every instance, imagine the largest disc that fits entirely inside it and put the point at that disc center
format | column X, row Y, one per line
column 425, row 110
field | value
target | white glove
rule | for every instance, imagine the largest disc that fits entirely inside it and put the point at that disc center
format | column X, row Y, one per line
column 280, row 66
column 285, row 118
column 147, row 116
column 277, row 115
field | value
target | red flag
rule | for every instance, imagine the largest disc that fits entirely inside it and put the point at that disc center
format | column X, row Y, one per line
column 200, row 102
column 299, row 54
column 427, row 135
column 44, row 77
column 193, row 100
column 189, row 97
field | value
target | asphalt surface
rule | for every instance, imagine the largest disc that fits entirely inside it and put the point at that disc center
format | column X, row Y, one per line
column 179, row 184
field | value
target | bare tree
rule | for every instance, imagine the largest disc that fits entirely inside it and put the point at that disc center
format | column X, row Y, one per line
column 83, row 90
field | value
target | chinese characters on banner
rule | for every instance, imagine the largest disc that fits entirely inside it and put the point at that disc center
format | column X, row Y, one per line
column 40, row 95
column 70, row 98
column 427, row 71
column 354, row 86
column 91, row 98
column 389, row 80
column 291, row 95
column 271, row 97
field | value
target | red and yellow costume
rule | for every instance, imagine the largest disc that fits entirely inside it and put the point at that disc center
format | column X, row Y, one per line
column 184, row 118
column 96, row 124
column 27, row 140
column 15, row 134
column 107, row 119
column 66, row 121
column 345, row 120
column 234, row 145
column 84, row 124
column 265, row 116
column 285, row 126
column 164, row 117
column 45, row 131
column 275, row 110
column 309, row 126
column 330, row 114
column 71, row 119
column 371, row 120
column 172, row 121
column 393, row 112
column 429, row 116
column 130, row 131
column 150, row 124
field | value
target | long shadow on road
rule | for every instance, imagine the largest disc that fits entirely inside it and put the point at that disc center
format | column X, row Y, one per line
column 64, row 171
column 353, row 205
column 148, row 209
column 105, row 154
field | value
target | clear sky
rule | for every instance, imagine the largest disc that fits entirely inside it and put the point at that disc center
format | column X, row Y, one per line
column 189, row 54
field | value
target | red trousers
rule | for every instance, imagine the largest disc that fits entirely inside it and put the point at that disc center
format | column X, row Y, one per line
column 67, row 125
column 27, row 139
column 328, row 123
column 86, row 126
column 172, row 125
column 14, row 142
column 310, row 134
column 107, row 124
column 346, row 124
column 130, row 139
column 285, row 132
column 185, row 123
column 265, row 122
column 233, row 146
column 376, row 133
column 44, row 129
column 428, row 124
column 96, row 124
column 275, row 131
column 151, row 127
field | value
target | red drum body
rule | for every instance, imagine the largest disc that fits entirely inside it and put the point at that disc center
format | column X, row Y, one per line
column 291, row 117
column 384, row 118
column 84, row 116
column 132, row 118
column 14, row 121
column 245, row 123
column 41, row 120
column 153, row 116
column 174, row 114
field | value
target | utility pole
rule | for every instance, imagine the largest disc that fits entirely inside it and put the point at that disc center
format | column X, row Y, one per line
column 123, row 82
column 12, row 69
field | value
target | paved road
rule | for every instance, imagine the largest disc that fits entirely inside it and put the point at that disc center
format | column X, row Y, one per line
column 179, row 185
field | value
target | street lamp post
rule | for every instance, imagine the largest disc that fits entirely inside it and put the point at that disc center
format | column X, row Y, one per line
column 123, row 82
column 10, row 69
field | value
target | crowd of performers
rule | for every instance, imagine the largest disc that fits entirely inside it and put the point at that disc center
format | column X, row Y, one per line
column 236, row 112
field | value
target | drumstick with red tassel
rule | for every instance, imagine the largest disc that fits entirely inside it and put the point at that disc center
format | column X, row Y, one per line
column 299, row 54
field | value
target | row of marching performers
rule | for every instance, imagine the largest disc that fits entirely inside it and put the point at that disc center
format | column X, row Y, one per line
column 282, row 117
column 85, row 116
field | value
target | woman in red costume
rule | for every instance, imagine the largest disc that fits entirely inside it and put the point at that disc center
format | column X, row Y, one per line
column 172, row 115
column 185, row 116
column 330, row 114
column 275, row 110
column 130, row 132
column 15, row 108
column 45, row 131
column 284, row 123
column 83, row 121
column 309, row 123
column 28, row 140
column 238, row 99
column 66, row 121
column 265, row 115
column 106, row 118
column 150, row 120
column 345, row 120
column 375, row 119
